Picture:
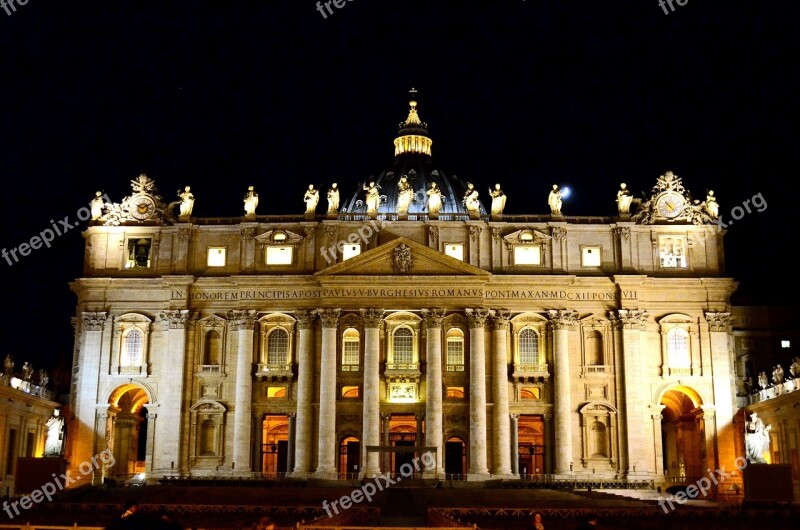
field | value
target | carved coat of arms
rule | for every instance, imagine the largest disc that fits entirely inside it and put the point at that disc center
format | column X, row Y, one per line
column 401, row 258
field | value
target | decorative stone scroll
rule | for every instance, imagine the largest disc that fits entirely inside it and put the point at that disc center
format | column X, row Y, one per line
column 372, row 317
column 720, row 322
column 477, row 317
column 94, row 321
column 433, row 317
column 242, row 320
column 563, row 318
column 178, row 319
column 329, row 317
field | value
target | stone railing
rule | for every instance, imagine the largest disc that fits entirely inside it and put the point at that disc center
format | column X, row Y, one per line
column 790, row 385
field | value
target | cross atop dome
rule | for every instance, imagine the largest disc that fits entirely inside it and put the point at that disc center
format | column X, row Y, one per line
column 413, row 134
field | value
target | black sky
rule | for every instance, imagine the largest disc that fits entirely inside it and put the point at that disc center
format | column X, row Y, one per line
column 222, row 95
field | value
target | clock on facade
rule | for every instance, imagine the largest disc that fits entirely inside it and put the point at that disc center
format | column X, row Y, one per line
column 142, row 207
column 670, row 205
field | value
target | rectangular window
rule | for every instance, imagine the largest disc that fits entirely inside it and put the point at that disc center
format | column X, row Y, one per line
column 455, row 250
column 527, row 255
column 276, row 392
column 349, row 392
column 216, row 257
column 672, row 252
column 351, row 251
column 590, row 257
column 785, row 344
column 138, row 252
column 279, row 255
column 350, row 356
column 11, row 452
column 455, row 356
column 455, row 392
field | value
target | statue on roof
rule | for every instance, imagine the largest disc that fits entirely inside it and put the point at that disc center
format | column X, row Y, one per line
column 250, row 202
column 311, row 199
column 624, row 200
column 405, row 194
column 434, row 199
column 96, row 205
column 333, row 199
column 554, row 200
column 373, row 197
column 471, row 199
column 187, row 203
column 498, row 200
column 711, row 205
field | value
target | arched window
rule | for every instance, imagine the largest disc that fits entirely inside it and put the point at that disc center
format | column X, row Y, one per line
column 213, row 347
column 678, row 348
column 403, row 346
column 528, row 347
column 454, row 360
column 277, row 347
column 594, row 348
column 208, row 432
column 133, row 348
column 350, row 341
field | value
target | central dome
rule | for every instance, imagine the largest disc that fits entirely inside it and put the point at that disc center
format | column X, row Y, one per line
column 413, row 161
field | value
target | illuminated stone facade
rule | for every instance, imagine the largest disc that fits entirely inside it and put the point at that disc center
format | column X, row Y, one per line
column 513, row 345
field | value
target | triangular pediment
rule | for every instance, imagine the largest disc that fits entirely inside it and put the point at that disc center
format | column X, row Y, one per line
column 403, row 257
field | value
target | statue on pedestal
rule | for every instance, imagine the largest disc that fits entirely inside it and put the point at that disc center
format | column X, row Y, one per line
column 434, row 199
column 554, row 200
column 54, row 445
column 187, row 203
column 333, row 199
column 624, row 200
column 373, row 198
column 250, row 202
column 8, row 369
column 794, row 368
column 405, row 195
column 777, row 375
column 27, row 371
column 711, row 205
column 311, row 199
column 471, row 200
column 96, row 205
column 498, row 200
column 763, row 382
column 756, row 439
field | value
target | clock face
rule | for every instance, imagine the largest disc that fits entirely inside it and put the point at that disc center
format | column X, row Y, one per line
column 142, row 208
column 670, row 205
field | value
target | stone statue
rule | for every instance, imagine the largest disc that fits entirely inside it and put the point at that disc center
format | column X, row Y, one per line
column 554, row 200
column 27, row 371
column 794, row 368
column 54, row 445
column 434, row 199
column 404, row 196
column 333, row 199
column 187, row 203
column 250, row 202
column 763, row 382
column 373, row 198
column 624, row 199
column 44, row 380
column 712, row 206
column 96, row 206
column 498, row 200
column 8, row 365
column 311, row 199
column 778, row 375
column 471, row 199
column 748, row 385
column 756, row 439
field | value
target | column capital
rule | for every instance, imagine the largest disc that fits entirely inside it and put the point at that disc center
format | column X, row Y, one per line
column 242, row 320
column 178, row 319
column 291, row 415
column 94, row 321
column 514, row 417
column 433, row 317
column 719, row 322
column 305, row 318
column 372, row 317
column 477, row 317
column 563, row 318
column 629, row 318
column 419, row 416
column 329, row 317
column 500, row 318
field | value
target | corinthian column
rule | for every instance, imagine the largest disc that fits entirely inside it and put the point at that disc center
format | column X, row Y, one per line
column 501, row 440
column 632, row 323
column 433, row 384
column 305, row 392
column 371, row 426
column 326, row 450
column 243, row 323
column 562, row 321
column 478, row 469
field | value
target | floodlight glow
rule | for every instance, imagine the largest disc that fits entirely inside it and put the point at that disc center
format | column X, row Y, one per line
column 565, row 191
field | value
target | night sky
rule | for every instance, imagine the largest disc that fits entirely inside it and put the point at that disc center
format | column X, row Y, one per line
column 224, row 95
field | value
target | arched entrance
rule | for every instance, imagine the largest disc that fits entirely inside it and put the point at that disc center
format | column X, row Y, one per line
column 455, row 458
column 126, row 431
column 349, row 457
column 275, row 445
column 683, row 435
